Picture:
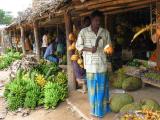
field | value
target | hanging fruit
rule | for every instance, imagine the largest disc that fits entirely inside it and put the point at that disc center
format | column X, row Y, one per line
column 72, row 37
column 82, row 66
column 74, row 57
column 73, row 45
column 108, row 49
column 80, row 61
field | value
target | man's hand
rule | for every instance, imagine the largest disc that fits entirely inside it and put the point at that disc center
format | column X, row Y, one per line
column 94, row 49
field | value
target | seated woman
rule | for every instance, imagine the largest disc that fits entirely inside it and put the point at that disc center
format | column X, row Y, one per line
column 49, row 53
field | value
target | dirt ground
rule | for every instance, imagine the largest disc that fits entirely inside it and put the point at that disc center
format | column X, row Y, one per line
column 62, row 112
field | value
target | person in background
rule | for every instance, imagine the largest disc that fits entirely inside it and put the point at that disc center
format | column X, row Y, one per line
column 44, row 42
column 27, row 44
column 49, row 53
column 95, row 64
column 60, row 41
column 87, row 22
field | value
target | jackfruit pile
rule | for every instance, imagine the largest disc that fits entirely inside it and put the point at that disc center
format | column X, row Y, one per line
column 125, row 82
column 123, row 102
column 119, row 100
column 150, row 104
column 132, row 83
column 131, row 107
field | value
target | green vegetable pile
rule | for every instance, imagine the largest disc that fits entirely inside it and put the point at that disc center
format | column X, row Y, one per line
column 8, row 58
column 134, row 63
column 152, row 75
column 43, row 85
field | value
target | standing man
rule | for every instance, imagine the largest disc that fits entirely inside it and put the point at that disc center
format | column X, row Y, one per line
column 95, row 64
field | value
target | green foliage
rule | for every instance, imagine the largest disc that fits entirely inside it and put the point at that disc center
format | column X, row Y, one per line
column 120, row 100
column 5, row 17
column 8, row 58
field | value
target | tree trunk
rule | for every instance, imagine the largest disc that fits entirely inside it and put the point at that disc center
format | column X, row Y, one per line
column 37, row 43
column 22, row 39
column 71, row 77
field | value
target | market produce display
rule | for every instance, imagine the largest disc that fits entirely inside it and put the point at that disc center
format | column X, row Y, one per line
column 152, row 75
column 132, row 83
column 8, row 58
column 134, row 63
column 141, row 115
column 150, row 104
column 131, row 107
column 126, row 82
column 118, row 101
column 44, row 84
column 120, row 76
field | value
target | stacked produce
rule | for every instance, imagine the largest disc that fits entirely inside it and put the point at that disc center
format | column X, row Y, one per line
column 147, row 109
column 125, row 82
column 44, row 85
column 25, row 63
column 141, row 115
column 76, row 56
column 8, row 58
column 152, row 75
column 119, row 100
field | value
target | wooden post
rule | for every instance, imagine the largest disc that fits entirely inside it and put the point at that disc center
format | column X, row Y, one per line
column 2, row 41
column 71, row 77
column 37, row 43
column 10, row 39
column 158, row 41
column 22, row 39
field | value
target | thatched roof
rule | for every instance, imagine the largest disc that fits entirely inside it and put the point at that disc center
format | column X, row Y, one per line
column 38, row 10
column 45, row 8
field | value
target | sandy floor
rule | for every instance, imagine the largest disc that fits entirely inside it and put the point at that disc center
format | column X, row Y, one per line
column 61, row 113
column 80, row 101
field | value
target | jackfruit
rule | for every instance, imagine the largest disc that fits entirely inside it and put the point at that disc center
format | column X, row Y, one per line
column 150, row 104
column 119, row 100
column 132, row 83
column 131, row 107
column 120, row 77
column 117, row 83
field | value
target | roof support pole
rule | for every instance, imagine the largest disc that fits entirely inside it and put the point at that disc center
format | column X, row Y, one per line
column 2, row 41
column 37, row 42
column 158, row 39
column 10, row 38
column 22, row 39
column 69, row 28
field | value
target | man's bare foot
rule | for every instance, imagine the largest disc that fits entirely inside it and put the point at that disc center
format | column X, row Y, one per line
column 93, row 117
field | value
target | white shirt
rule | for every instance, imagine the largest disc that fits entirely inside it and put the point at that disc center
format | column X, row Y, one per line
column 93, row 62
column 44, row 41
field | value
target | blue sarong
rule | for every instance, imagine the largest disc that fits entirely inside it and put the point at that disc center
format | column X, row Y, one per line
column 98, row 93
column 52, row 58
